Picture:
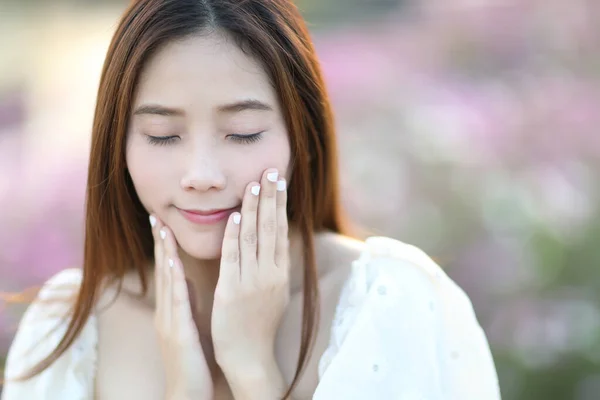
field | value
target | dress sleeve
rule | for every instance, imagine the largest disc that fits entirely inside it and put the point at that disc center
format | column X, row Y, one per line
column 404, row 330
column 42, row 327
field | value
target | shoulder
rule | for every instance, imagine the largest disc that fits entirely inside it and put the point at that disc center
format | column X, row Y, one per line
column 411, row 271
column 335, row 253
column 364, row 261
column 402, row 273
column 380, row 256
column 53, row 301
column 40, row 330
column 399, row 311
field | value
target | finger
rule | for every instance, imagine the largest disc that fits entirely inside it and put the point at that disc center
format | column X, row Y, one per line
column 248, row 235
column 179, row 305
column 229, row 272
column 166, row 265
column 282, row 240
column 267, row 218
column 183, row 323
column 156, row 225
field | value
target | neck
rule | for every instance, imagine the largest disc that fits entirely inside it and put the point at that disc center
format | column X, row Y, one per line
column 203, row 275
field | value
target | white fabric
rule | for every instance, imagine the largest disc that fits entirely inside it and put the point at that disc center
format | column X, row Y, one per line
column 71, row 376
column 402, row 330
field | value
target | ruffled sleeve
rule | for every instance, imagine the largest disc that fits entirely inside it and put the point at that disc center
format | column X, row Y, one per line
column 404, row 330
column 43, row 325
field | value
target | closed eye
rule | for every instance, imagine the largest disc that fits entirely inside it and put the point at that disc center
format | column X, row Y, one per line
column 252, row 138
column 161, row 140
column 236, row 137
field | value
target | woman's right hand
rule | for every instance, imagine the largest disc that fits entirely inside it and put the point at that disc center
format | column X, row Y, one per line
column 187, row 373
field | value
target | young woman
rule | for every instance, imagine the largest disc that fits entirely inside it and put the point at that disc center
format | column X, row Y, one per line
column 217, row 263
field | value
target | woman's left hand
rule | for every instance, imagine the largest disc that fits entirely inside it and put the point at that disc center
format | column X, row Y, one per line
column 253, row 287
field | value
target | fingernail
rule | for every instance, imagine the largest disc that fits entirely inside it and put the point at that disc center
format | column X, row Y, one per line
column 171, row 263
column 237, row 218
column 281, row 185
column 272, row 176
column 163, row 233
column 152, row 220
column 255, row 190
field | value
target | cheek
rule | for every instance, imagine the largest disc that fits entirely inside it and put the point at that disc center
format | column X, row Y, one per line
column 273, row 153
column 148, row 176
column 282, row 158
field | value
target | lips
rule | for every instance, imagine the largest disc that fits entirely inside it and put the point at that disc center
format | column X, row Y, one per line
column 206, row 216
column 210, row 212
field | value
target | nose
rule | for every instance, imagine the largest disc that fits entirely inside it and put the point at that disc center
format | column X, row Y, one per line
column 203, row 172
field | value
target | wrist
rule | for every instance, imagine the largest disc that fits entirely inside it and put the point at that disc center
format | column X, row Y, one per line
column 171, row 395
column 182, row 393
column 254, row 360
column 254, row 370
column 257, row 380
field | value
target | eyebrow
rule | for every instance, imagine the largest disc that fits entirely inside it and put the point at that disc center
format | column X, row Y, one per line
column 154, row 109
column 230, row 108
column 243, row 105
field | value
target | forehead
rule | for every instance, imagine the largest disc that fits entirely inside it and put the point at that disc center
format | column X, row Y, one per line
column 210, row 67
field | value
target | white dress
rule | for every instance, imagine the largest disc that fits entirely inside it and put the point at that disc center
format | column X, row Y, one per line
column 402, row 330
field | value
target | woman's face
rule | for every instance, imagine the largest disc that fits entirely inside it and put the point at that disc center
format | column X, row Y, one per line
column 205, row 123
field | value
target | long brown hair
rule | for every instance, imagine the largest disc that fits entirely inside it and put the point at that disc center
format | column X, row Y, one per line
column 117, row 232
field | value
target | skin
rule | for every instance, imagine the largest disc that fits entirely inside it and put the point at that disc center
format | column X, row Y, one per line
column 234, row 282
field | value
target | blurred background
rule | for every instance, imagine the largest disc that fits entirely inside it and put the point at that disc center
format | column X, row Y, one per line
column 466, row 127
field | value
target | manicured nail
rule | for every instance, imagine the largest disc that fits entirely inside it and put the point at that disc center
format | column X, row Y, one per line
column 171, row 263
column 237, row 218
column 255, row 190
column 163, row 233
column 272, row 176
column 152, row 220
column 281, row 185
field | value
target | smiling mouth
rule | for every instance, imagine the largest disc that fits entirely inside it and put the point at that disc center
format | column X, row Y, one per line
column 206, row 212
column 204, row 217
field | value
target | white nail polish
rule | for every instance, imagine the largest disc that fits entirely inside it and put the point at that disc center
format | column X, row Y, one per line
column 152, row 220
column 237, row 218
column 255, row 190
column 163, row 233
column 272, row 176
column 171, row 263
column 281, row 185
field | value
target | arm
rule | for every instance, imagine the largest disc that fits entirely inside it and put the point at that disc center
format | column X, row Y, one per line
column 263, row 381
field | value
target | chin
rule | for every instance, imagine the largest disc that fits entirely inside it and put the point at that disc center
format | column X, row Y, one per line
column 201, row 245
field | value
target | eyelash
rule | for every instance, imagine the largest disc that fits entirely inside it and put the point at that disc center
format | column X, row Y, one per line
column 161, row 140
column 243, row 139
column 246, row 139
